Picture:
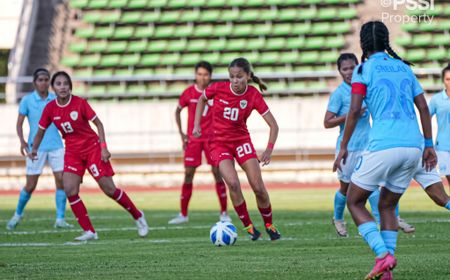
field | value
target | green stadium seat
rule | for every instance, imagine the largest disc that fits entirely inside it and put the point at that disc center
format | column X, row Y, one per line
column 318, row 85
column 444, row 25
column 289, row 57
column 163, row 70
column 277, row 87
column 164, row 31
column 110, row 17
column 204, row 31
column 295, row 43
column 226, row 58
column 404, row 41
column 437, row 11
column 347, row 13
column 157, row 88
column 321, row 28
column 268, row 14
column 212, row 58
column 262, row 29
column 92, row 17
column 117, row 46
column 131, row 17
column 335, row 42
column 429, row 27
column 115, row 90
column 315, row 43
column 157, row 4
column 188, row 70
column 292, row 2
column 97, row 46
column 253, row 57
column 288, row 14
column 255, row 3
column 130, row 60
column 70, row 61
column 411, row 26
column 216, row 3
column 216, row 45
column 169, row 17
column 263, row 69
column 255, row 44
column 137, row 4
column 123, row 32
column 190, row 59
column 150, row 17
column 297, row 86
column 190, row 16
column 437, row 54
column 250, row 15
column 138, row 89
column 97, row 89
column 276, row 2
column 196, row 45
column 124, row 72
column 441, row 39
column 169, row 59
column 236, row 3
column 157, row 46
column 309, row 57
column 89, row 60
column 85, row 32
column 79, row 4
column 301, row 28
column 103, row 73
column 137, row 46
column 223, row 30
column 269, row 58
column 104, row 32
column 150, row 59
column 176, row 46
column 327, row 14
column 78, row 47
column 307, row 14
column 83, row 73
column 242, row 30
column 421, row 40
column 416, row 55
column 447, row 10
column 329, row 57
column 236, row 45
column 275, row 43
column 341, row 27
column 210, row 16
column 176, row 4
column 197, row 3
column 117, row 4
column 312, row 2
column 230, row 15
column 282, row 29
column 304, row 68
column 183, row 31
column 448, row 54
column 177, row 87
column 110, row 60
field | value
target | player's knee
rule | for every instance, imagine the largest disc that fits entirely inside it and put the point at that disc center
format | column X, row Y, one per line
column 234, row 185
column 29, row 188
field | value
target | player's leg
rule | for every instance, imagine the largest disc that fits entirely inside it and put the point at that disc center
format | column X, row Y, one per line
column 437, row 193
column 448, row 180
column 56, row 162
column 340, row 200
column 388, row 218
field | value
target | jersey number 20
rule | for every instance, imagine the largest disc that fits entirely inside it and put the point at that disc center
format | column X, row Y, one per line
column 231, row 113
column 245, row 149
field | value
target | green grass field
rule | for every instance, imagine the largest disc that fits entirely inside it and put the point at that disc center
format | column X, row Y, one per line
column 309, row 250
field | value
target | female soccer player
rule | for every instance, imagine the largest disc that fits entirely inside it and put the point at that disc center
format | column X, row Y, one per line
column 51, row 150
column 233, row 103
column 193, row 147
column 389, row 88
column 84, row 149
column 440, row 106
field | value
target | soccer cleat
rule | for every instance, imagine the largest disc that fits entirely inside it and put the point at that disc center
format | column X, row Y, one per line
column 15, row 220
column 224, row 217
column 253, row 232
column 180, row 219
column 61, row 223
column 341, row 227
column 87, row 235
column 403, row 225
column 382, row 265
column 142, row 226
column 387, row 275
column 273, row 232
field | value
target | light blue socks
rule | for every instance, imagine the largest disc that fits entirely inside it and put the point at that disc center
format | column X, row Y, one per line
column 339, row 206
column 373, row 201
column 24, row 197
column 60, row 199
column 390, row 240
column 372, row 236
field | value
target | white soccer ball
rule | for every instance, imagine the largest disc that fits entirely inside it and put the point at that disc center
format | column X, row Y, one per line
column 223, row 234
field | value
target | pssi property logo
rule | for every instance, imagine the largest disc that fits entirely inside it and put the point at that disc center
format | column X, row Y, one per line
column 417, row 11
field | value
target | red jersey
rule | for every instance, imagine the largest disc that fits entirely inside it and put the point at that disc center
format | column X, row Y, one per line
column 189, row 98
column 231, row 110
column 72, row 120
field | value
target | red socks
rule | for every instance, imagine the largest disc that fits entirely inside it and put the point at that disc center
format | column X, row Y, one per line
column 266, row 214
column 242, row 212
column 221, row 190
column 186, row 193
column 122, row 198
column 80, row 212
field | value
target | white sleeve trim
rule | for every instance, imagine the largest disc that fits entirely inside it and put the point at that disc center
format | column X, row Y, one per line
column 93, row 118
column 41, row 127
column 265, row 113
column 204, row 95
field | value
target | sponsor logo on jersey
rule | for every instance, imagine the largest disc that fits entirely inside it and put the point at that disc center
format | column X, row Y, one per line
column 57, row 118
column 243, row 104
column 72, row 168
column 223, row 101
column 193, row 100
column 74, row 115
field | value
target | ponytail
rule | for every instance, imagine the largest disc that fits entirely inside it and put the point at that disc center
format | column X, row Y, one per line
column 262, row 86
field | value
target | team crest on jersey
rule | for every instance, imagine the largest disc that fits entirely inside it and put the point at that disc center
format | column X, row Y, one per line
column 210, row 102
column 243, row 104
column 74, row 115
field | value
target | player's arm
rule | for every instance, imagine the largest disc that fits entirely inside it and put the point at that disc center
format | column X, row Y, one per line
column 102, row 138
column 180, row 128
column 19, row 129
column 273, row 125
column 198, row 115
column 36, row 143
column 429, row 159
column 331, row 120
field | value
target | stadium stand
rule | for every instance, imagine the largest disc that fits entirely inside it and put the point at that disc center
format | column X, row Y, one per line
column 124, row 38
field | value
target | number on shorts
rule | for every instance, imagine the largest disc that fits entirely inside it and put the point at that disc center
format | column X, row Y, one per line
column 94, row 170
column 67, row 127
column 231, row 113
column 245, row 149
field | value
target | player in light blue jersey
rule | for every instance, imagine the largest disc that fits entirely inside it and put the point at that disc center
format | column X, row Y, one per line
column 50, row 151
column 390, row 90
column 440, row 106
column 338, row 107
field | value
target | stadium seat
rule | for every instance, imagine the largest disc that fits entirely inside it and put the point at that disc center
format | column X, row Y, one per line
column 255, row 44
column 117, row 4
column 268, row 14
column 170, row 59
column 79, row 4
column 416, row 55
column 150, row 60
column 123, row 32
column 210, row 16
column 118, row 89
column 89, row 60
column 242, row 30
column 204, row 31
column 183, row 31
column 137, row 46
column 230, row 15
column 117, row 46
column 97, row 46
column 138, row 4
column 288, row 14
column 216, row 45
column 282, row 29
column 437, row 54
column 249, row 15
column 236, row 45
column 97, row 90
column 169, row 17
column 131, row 17
column 163, row 32
column 441, row 39
column 189, row 16
column 137, row 89
column 196, row 45
column 321, row 28
column 150, row 17
column 78, row 47
column 84, row 32
column 289, row 57
column 328, row 57
column 309, row 57
column 315, row 42
column 212, row 58
column 269, row 58
column 275, row 43
column 176, row 45
column 129, row 60
column 335, row 42
column 295, row 43
column 262, row 29
column 110, row 60
column 421, row 40
column 103, row 73
column 70, row 61
column 190, row 59
column 110, row 17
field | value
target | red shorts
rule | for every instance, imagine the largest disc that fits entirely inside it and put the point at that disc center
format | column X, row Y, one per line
column 193, row 153
column 92, row 161
column 241, row 150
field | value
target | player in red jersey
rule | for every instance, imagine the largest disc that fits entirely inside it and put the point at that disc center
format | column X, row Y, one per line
column 84, row 150
column 233, row 103
column 193, row 147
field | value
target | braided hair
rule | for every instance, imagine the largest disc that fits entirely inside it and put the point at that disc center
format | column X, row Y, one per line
column 374, row 37
column 445, row 70
column 245, row 65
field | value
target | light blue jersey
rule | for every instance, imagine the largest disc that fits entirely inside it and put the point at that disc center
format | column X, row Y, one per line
column 440, row 106
column 340, row 105
column 391, row 89
column 32, row 106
